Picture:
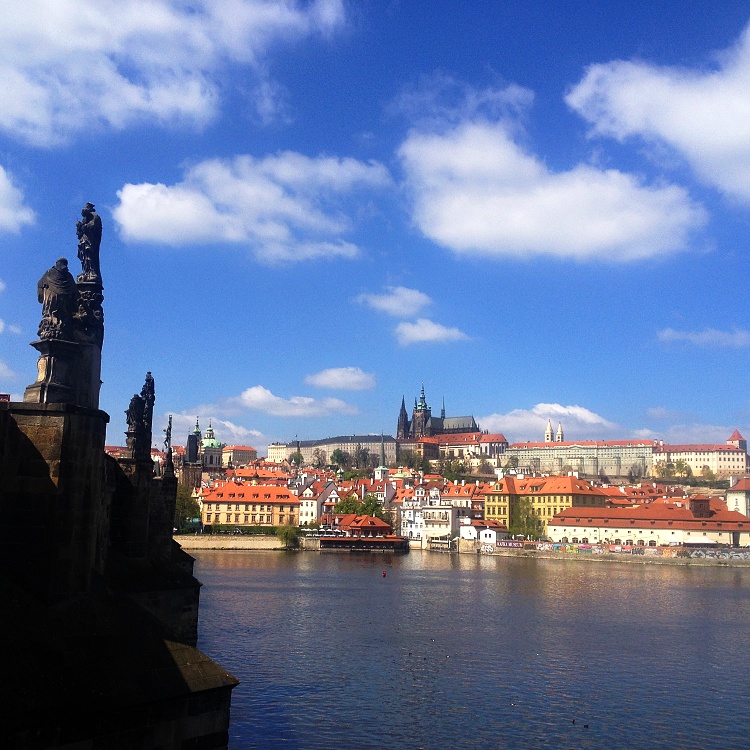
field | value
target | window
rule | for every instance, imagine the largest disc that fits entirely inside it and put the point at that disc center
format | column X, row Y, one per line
column 208, row 518
column 247, row 518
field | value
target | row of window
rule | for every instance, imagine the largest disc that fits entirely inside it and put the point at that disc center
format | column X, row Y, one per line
column 209, row 506
column 247, row 518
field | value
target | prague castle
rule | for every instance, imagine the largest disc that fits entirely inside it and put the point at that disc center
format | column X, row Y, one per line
column 423, row 424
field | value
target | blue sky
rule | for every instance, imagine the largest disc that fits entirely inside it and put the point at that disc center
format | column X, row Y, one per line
column 538, row 210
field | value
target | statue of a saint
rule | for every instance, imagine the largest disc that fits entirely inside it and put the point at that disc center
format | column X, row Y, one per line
column 58, row 293
column 89, row 233
column 134, row 414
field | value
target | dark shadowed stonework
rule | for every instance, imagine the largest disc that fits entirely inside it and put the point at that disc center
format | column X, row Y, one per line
column 100, row 605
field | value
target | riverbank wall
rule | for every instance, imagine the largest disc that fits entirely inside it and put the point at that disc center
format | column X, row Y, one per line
column 585, row 553
column 190, row 542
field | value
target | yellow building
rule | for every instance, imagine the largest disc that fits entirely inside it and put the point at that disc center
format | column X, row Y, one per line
column 243, row 504
column 512, row 500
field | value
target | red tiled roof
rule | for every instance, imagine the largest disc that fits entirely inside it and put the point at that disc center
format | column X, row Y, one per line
column 736, row 436
column 645, row 516
column 589, row 444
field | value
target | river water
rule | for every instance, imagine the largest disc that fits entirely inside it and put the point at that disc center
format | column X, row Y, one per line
column 451, row 651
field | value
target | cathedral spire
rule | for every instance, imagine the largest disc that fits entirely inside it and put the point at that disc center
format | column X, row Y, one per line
column 548, row 432
column 442, row 411
column 559, row 437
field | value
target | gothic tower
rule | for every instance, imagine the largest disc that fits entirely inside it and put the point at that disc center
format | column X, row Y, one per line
column 402, row 430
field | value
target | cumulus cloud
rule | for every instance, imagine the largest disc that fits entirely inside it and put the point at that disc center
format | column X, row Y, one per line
column 13, row 213
column 225, row 431
column 703, row 114
column 476, row 191
column 426, row 331
column 399, row 301
column 69, row 65
column 284, row 207
column 712, row 337
column 259, row 398
column 578, row 423
column 342, row 378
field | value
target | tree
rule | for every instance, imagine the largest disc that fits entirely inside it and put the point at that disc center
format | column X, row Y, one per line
column 319, row 458
column 511, row 463
column 289, row 536
column 707, row 474
column 349, row 504
column 522, row 521
column 369, row 506
column 485, row 468
column 341, row 458
column 406, row 458
column 296, row 458
column 186, row 507
column 664, row 469
column 361, row 457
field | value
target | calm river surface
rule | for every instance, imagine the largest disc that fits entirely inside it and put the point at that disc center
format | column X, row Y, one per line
column 478, row 652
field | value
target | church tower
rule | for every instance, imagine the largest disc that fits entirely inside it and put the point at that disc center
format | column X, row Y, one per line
column 402, row 430
column 420, row 417
column 548, row 432
column 559, row 437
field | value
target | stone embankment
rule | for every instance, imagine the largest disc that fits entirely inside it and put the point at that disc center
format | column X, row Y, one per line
column 190, row 542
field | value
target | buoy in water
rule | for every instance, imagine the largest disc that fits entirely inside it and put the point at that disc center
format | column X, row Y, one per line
column 384, row 574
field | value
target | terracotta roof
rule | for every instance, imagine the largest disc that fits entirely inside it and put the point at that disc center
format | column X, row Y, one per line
column 590, row 444
column 250, row 493
column 702, row 447
column 675, row 514
column 743, row 485
column 736, row 436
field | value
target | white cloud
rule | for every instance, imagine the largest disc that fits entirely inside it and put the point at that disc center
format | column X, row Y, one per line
column 342, row 378
column 426, row 331
column 69, row 65
column 399, row 301
column 8, row 327
column 13, row 213
column 6, row 373
column 736, row 339
column 477, row 192
column 703, row 114
column 225, row 431
column 261, row 399
column 285, row 207
column 520, row 425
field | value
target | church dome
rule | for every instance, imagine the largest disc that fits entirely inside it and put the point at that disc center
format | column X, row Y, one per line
column 210, row 441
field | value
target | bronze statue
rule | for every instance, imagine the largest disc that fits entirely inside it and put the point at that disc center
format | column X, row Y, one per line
column 89, row 233
column 58, row 293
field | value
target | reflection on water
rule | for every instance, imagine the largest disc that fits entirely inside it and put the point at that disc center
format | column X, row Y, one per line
column 473, row 651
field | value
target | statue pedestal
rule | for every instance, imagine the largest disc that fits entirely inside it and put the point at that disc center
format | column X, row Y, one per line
column 58, row 366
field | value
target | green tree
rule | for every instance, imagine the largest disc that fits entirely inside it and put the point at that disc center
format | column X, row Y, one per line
column 406, row 458
column 296, row 458
column 349, row 504
column 341, row 458
column 186, row 507
column 289, row 536
column 522, row 521
column 707, row 474
column 319, row 458
column 664, row 469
